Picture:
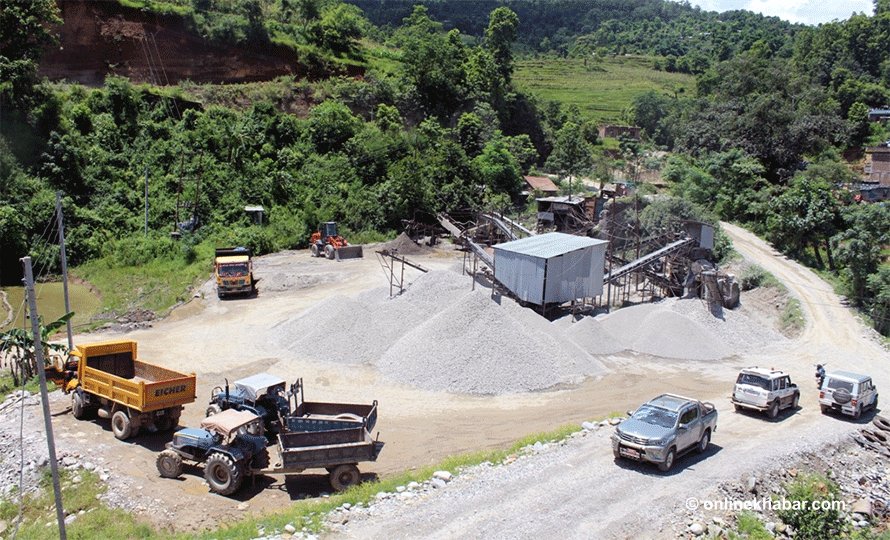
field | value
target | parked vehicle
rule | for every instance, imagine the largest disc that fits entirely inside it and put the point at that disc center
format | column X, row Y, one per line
column 233, row 267
column 339, row 451
column 262, row 394
column 329, row 243
column 665, row 428
column 113, row 383
column 321, row 416
column 766, row 390
column 848, row 393
column 230, row 444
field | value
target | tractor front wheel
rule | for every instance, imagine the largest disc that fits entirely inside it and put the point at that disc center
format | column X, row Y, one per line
column 169, row 464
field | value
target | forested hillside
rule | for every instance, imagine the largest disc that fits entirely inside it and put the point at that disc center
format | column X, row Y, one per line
column 772, row 136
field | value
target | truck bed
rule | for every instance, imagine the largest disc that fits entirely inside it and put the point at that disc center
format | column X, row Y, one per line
column 318, row 416
column 109, row 370
column 324, row 449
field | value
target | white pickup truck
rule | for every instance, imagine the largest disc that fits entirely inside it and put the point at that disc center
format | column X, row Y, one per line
column 664, row 428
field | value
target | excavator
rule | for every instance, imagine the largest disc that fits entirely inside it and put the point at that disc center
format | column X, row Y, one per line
column 65, row 376
column 329, row 243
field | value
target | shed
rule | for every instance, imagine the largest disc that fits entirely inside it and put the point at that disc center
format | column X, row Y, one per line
column 551, row 268
column 542, row 184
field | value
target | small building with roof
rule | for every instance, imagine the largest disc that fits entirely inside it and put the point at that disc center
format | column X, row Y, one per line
column 542, row 184
column 551, row 268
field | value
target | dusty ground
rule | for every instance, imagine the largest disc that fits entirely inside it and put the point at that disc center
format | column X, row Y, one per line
column 232, row 338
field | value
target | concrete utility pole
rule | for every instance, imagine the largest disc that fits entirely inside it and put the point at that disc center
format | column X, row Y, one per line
column 44, row 395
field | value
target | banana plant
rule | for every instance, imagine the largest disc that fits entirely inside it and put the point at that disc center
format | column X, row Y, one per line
column 18, row 346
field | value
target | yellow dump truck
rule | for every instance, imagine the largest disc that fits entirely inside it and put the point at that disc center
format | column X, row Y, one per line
column 112, row 383
column 233, row 268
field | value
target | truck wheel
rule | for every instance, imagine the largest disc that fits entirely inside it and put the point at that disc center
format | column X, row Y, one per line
column 668, row 462
column 314, row 250
column 773, row 410
column 223, row 474
column 857, row 412
column 704, row 442
column 213, row 409
column 78, row 408
column 795, row 401
column 122, row 427
column 329, row 251
column 345, row 476
column 169, row 464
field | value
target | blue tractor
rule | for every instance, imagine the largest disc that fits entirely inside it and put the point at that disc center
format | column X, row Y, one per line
column 262, row 394
column 231, row 445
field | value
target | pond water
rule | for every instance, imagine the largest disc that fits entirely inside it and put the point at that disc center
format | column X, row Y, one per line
column 50, row 304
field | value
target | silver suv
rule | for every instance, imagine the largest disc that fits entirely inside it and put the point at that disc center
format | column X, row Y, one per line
column 764, row 389
column 848, row 393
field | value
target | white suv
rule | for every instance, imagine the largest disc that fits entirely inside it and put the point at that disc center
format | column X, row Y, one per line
column 848, row 393
column 764, row 389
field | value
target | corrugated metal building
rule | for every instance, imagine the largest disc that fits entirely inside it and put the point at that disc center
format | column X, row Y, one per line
column 551, row 268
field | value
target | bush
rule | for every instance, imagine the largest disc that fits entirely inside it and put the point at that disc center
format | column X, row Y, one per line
column 815, row 509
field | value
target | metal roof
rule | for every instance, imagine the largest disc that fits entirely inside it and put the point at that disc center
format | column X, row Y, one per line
column 549, row 244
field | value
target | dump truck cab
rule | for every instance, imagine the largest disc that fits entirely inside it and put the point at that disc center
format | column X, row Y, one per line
column 233, row 267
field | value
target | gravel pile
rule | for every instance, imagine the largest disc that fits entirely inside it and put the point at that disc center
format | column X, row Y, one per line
column 441, row 335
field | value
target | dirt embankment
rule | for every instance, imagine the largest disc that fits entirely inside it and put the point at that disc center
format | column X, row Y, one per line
column 101, row 38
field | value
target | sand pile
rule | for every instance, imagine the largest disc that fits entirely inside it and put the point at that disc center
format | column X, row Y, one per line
column 441, row 335
column 403, row 245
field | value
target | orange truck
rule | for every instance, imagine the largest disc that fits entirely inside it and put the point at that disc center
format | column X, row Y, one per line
column 112, row 383
column 233, row 267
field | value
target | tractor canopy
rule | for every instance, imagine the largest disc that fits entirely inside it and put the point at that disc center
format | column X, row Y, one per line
column 250, row 388
column 228, row 421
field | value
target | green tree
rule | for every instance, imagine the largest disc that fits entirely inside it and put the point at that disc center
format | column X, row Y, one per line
column 331, row 124
column 26, row 28
column 338, row 30
column 498, row 169
column 858, row 245
column 806, row 214
column 502, row 31
column 571, row 154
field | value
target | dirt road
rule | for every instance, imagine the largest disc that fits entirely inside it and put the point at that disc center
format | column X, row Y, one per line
column 235, row 338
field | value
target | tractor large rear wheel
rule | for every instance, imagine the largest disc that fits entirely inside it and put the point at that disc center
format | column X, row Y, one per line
column 314, row 250
column 222, row 474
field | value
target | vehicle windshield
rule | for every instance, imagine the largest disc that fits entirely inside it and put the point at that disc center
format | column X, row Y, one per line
column 836, row 384
column 656, row 416
column 753, row 380
column 233, row 270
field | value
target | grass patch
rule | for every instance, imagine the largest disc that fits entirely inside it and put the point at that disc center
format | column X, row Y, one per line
column 80, row 492
column 750, row 528
column 754, row 276
column 601, row 88
column 792, row 317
